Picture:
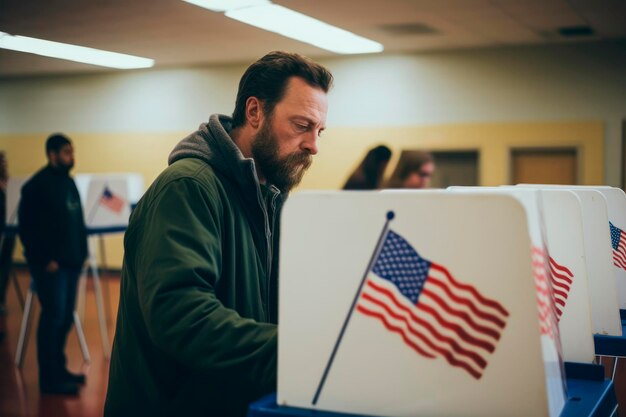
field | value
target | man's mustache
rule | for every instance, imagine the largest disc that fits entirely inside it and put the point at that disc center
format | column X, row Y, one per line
column 302, row 158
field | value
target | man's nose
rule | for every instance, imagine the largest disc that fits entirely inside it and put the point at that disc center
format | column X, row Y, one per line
column 309, row 143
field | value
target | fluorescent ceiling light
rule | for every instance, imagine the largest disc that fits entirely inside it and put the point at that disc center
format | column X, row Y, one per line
column 286, row 22
column 226, row 5
column 291, row 24
column 73, row 52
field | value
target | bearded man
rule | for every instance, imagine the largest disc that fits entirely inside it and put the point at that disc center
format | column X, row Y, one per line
column 54, row 236
column 196, row 330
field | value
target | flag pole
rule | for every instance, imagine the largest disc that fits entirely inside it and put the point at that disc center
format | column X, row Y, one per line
column 390, row 216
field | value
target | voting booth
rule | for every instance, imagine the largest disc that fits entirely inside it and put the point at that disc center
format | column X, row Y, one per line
column 401, row 313
column 108, row 199
column 565, row 242
column 557, row 218
column 604, row 205
column 616, row 209
column 601, row 274
column 615, row 200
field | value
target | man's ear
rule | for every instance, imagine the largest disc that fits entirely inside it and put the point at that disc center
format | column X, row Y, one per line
column 254, row 112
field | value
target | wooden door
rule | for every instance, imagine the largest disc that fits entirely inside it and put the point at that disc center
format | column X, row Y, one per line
column 544, row 166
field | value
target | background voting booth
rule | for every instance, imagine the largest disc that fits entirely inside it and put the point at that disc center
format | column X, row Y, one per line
column 556, row 216
column 599, row 257
column 613, row 201
column 107, row 203
column 386, row 343
column 107, row 200
column 616, row 208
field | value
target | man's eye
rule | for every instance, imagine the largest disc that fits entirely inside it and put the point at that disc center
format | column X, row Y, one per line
column 301, row 127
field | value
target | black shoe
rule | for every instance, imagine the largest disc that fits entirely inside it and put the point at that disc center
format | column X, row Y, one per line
column 59, row 388
column 74, row 378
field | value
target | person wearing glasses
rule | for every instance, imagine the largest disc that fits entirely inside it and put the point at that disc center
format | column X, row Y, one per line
column 418, row 171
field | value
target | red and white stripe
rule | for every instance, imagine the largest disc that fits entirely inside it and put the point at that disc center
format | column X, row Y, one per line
column 561, row 278
column 113, row 203
column 545, row 302
column 450, row 320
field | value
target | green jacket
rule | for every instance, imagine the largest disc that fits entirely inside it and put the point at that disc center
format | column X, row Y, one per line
column 196, row 329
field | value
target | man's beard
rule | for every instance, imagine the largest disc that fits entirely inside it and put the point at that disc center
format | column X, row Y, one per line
column 283, row 173
column 64, row 168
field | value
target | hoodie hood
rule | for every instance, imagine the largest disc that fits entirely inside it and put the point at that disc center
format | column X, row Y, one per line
column 212, row 143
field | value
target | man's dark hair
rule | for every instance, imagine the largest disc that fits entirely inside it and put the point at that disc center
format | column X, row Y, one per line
column 267, row 78
column 55, row 142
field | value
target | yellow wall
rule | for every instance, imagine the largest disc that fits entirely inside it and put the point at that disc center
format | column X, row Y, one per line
column 340, row 151
column 143, row 153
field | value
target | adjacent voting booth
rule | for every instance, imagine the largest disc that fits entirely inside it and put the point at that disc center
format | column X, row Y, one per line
column 599, row 258
column 565, row 241
column 107, row 200
column 541, row 261
column 616, row 207
column 401, row 313
column 612, row 343
column 560, row 218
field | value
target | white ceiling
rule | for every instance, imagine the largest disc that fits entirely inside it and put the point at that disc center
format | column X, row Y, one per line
column 175, row 33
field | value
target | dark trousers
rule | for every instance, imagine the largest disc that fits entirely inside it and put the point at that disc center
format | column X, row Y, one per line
column 57, row 296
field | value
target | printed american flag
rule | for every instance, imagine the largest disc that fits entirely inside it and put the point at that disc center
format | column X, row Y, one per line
column 111, row 201
column 561, row 278
column 618, row 241
column 547, row 313
column 433, row 313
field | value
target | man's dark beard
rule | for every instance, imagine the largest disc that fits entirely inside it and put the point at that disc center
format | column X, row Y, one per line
column 284, row 173
column 63, row 168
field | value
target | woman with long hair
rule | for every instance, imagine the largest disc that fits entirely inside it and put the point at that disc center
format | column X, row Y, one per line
column 369, row 174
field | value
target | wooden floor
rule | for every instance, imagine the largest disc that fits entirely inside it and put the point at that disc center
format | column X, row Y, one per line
column 19, row 390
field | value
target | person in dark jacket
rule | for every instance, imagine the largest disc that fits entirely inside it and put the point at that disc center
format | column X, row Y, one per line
column 369, row 174
column 196, row 328
column 54, row 236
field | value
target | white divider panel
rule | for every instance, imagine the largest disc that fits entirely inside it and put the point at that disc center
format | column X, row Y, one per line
column 14, row 193
column 377, row 369
column 564, row 230
column 616, row 208
column 107, row 198
column 605, row 316
column 107, row 203
column 550, row 337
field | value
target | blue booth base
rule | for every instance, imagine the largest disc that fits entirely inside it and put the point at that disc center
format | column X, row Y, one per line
column 589, row 395
column 611, row 345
